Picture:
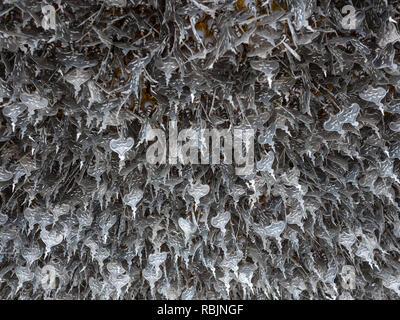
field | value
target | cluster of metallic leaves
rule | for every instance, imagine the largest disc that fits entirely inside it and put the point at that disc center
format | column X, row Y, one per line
column 76, row 191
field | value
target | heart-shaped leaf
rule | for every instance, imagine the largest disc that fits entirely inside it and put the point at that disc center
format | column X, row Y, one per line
column 121, row 145
column 198, row 191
